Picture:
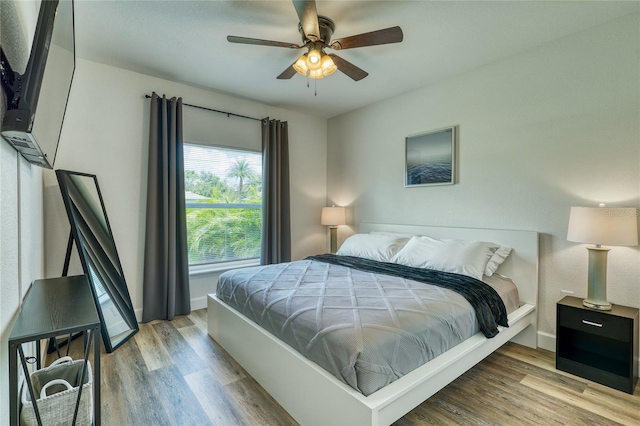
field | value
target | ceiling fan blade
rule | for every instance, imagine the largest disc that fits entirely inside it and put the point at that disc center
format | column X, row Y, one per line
column 288, row 73
column 385, row 36
column 261, row 42
column 308, row 15
column 348, row 68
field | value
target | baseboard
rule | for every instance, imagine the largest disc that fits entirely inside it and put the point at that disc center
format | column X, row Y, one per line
column 544, row 340
column 197, row 303
column 547, row 341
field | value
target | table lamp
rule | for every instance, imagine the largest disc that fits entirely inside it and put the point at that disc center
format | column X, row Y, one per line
column 333, row 216
column 612, row 226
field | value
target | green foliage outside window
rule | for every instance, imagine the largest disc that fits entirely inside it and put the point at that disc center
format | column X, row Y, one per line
column 224, row 234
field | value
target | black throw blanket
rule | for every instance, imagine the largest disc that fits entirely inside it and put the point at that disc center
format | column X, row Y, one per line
column 489, row 307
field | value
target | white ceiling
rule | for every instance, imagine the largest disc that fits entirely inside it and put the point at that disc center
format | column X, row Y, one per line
column 185, row 41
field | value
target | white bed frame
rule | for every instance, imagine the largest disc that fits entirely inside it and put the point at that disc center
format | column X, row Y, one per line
column 313, row 396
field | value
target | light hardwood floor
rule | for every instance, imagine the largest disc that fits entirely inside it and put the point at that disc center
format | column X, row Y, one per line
column 173, row 373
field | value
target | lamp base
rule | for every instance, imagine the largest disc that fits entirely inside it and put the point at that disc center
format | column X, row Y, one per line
column 597, row 290
column 333, row 235
column 600, row 306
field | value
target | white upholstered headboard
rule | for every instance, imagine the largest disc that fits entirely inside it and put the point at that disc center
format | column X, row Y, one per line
column 521, row 266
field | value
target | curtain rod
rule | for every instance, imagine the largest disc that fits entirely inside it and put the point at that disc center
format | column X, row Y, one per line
column 215, row 110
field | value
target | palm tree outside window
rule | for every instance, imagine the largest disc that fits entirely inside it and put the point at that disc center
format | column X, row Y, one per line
column 223, row 192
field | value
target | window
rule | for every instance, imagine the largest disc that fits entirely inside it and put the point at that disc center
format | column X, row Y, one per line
column 223, row 192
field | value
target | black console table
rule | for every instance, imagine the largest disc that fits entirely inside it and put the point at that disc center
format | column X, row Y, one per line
column 51, row 308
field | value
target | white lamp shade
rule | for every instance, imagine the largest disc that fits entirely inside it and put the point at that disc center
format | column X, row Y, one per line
column 611, row 226
column 333, row 216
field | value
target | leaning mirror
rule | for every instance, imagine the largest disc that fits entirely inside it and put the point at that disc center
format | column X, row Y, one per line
column 97, row 250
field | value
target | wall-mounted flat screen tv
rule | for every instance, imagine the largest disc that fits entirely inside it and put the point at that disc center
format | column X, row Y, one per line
column 37, row 99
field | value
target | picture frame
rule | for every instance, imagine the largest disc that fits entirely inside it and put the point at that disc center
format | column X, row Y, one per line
column 430, row 158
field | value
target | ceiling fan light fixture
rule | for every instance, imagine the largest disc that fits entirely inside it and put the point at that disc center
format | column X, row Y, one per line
column 301, row 65
column 317, row 31
column 314, row 59
column 316, row 74
column 328, row 67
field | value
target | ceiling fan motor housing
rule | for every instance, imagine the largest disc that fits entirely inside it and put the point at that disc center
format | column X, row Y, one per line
column 326, row 27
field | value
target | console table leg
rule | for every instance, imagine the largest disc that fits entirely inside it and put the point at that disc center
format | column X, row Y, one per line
column 96, row 379
column 14, row 401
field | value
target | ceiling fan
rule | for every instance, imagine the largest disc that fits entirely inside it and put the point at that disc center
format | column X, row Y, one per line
column 316, row 31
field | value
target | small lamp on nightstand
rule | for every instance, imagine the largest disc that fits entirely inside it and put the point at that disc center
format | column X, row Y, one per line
column 333, row 216
column 613, row 226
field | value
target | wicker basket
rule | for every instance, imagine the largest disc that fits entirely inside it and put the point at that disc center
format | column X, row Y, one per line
column 57, row 387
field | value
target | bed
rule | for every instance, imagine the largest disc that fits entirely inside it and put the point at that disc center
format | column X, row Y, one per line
column 313, row 396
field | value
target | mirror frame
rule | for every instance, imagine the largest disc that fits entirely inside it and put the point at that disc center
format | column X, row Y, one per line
column 82, row 253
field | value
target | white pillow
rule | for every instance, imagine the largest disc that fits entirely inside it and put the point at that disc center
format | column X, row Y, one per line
column 457, row 256
column 496, row 260
column 393, row 234
column 372, row 246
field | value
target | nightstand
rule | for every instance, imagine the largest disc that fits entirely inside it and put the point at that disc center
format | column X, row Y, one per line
column 601, row 346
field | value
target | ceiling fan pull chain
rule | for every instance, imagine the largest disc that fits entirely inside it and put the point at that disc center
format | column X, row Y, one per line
column 315, row 87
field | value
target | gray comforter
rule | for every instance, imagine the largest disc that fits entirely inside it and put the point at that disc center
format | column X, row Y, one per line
column 366, row 329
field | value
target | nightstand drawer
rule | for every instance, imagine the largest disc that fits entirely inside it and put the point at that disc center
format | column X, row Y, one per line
column 596, row 323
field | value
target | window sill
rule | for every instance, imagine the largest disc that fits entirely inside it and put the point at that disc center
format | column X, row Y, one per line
column 221, row 267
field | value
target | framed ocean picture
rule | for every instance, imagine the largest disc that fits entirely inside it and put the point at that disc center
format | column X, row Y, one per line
column 430, row 158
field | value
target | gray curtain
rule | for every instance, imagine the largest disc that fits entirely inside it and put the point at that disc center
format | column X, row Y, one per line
column 166, row 267
column 276, row 228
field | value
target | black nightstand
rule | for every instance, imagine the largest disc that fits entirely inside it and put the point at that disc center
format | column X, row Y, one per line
column 598, row 345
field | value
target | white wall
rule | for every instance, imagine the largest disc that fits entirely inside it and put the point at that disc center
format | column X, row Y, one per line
column 21, row 245
column 21, row 228
column 106, row 133
column 556, row 127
